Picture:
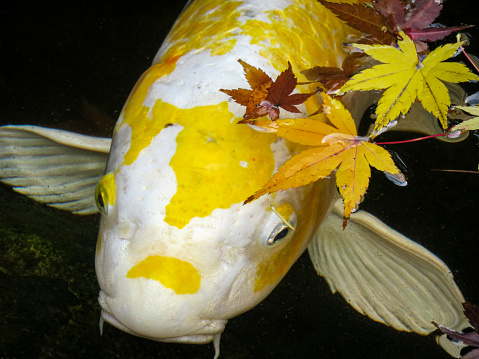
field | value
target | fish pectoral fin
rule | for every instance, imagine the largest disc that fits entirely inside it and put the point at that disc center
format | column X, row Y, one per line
column 55, row 167
column 385, row 275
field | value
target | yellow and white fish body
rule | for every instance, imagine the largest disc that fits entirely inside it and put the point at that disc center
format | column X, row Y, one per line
column 178, row 253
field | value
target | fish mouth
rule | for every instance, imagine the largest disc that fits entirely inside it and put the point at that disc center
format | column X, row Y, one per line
column 202, row 335
column 103, row 300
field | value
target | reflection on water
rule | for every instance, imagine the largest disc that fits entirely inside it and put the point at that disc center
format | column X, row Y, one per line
column 60, row 58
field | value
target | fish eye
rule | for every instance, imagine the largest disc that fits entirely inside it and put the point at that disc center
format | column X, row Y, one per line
column 279, row 227
column 105, row 193
column 101, row 199
column 280, row 232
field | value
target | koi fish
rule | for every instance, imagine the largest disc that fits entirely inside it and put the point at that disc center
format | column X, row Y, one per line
column 178, row 254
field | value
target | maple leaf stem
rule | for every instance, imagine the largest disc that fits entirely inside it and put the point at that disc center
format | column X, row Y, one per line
column 472, row 62
column 411, row 140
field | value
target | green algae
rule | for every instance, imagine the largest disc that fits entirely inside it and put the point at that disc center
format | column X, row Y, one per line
column 27, row 254
column 47, row 281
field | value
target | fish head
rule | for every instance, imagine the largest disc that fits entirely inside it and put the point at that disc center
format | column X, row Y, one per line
column 178, row 251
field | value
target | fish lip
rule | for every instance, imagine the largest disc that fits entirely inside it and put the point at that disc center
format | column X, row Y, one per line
column 203, row 335
column 108, row 317
column 188, row 339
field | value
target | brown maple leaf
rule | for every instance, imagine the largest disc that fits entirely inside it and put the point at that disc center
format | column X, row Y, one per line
column 279, row 94
column 260, row 84
column 365, row 19
column 393, row 8
column 332, row 78
column 267, row 96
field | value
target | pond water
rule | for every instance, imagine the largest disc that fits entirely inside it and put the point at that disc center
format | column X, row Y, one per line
column 71, row 66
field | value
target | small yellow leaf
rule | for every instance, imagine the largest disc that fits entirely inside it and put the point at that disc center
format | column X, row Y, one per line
column 308, row 166
column 405, row 78
column 379, row 158
column 468, row 125
column 339, row 116
column 352, row 178
column 305, row 131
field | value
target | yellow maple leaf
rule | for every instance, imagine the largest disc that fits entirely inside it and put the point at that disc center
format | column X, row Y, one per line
column 339, row 145
column 468, row 125
column 405, row 76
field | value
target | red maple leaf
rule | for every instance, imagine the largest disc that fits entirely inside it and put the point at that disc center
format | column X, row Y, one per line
column 266, row 96
column 416, row 20
column 387, row 18
column 279, row 95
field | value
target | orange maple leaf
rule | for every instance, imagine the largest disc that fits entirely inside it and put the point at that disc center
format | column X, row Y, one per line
column 339, row 146
column 267, row 96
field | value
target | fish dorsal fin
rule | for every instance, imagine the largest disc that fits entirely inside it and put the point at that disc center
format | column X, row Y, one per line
column 55, row 167
column 385, row 275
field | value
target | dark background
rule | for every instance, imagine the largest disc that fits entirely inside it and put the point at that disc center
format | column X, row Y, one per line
column 71, row 65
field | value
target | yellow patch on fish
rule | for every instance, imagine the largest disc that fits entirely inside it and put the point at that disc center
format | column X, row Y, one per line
column 205, row 26
column 171, row 272
column 289, row 36
column 217, row 163
column 286, row 210
column 271, row 271
column 134, row 110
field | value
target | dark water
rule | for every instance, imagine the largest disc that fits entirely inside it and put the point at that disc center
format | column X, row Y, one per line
column 71, row 65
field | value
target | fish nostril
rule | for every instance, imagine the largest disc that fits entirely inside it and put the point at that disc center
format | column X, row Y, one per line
column 126, row 230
